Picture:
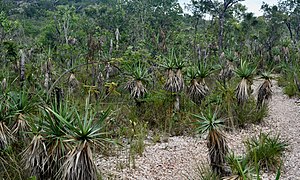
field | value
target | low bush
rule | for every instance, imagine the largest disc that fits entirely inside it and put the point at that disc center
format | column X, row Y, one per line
column 266, row 150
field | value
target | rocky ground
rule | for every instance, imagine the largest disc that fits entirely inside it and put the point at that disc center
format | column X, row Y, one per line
column 180, row 156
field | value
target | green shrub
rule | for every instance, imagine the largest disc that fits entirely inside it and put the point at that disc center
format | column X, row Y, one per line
column 202, row 172
column 249, row 113
column 290, row 89
column 266, row 150
column 239, row 167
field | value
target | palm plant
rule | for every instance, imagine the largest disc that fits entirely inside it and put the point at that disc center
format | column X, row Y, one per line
column 243, row 90
column 82, row 132
column 175, row 81
column 55, row 133
column 46, row 153
column 138, row 76
column 47, row 70
column 198, row 88
column 21, row 106
column 211, row 125
column 264, row 91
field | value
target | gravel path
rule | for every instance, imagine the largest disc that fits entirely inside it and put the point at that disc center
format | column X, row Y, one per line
column 284, row 119
column 179, row 157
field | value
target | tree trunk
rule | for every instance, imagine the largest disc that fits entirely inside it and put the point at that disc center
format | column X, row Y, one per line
column 221, row 31
column 22, row 68
column 177, row 103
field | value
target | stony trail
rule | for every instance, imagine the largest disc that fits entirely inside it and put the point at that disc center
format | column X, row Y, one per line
column 179, row 157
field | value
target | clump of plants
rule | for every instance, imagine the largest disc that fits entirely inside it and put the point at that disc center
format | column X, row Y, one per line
column 248, row 113
column 266, row 150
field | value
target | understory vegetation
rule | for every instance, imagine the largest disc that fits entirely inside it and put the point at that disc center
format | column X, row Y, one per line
column 82, row 78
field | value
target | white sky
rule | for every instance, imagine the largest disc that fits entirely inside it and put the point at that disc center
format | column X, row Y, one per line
column 252, row 5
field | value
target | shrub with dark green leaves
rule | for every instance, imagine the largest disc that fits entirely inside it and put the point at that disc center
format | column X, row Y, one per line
column 266, row 150
column 249, row 113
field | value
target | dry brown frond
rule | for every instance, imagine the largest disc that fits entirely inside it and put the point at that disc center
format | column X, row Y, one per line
column 3, row 84
column 57, row 152
column 264, row 93
column 197, row 91
column 136, row 89
column 21, row 127
column 242, row 91
column 80, row 164
column 175, row 82
column 218, row 150
column 5, row 136
column 73, row 82
column 35, row 157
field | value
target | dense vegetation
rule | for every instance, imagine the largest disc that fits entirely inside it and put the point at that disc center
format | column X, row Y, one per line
column 80, row 76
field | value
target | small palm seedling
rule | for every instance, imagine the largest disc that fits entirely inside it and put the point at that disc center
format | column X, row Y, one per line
column 243, row 90
column 211, row 125
column 138, row 76
column 239, row 167
column 264, row 91
column 83, row 132
column 266, row 150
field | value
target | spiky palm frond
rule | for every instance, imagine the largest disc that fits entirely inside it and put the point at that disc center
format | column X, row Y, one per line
column 168, row 63
column 138, row 71
column 217, row 145
column 204, row 70
column 198, row 90
column 243, row 90
column 245, row 70
column 55, row 132
column 240, row 168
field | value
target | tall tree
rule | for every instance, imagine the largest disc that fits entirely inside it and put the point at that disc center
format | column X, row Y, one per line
column 219, row 9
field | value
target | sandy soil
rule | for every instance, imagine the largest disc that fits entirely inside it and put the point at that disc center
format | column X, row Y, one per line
column 179, row 157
